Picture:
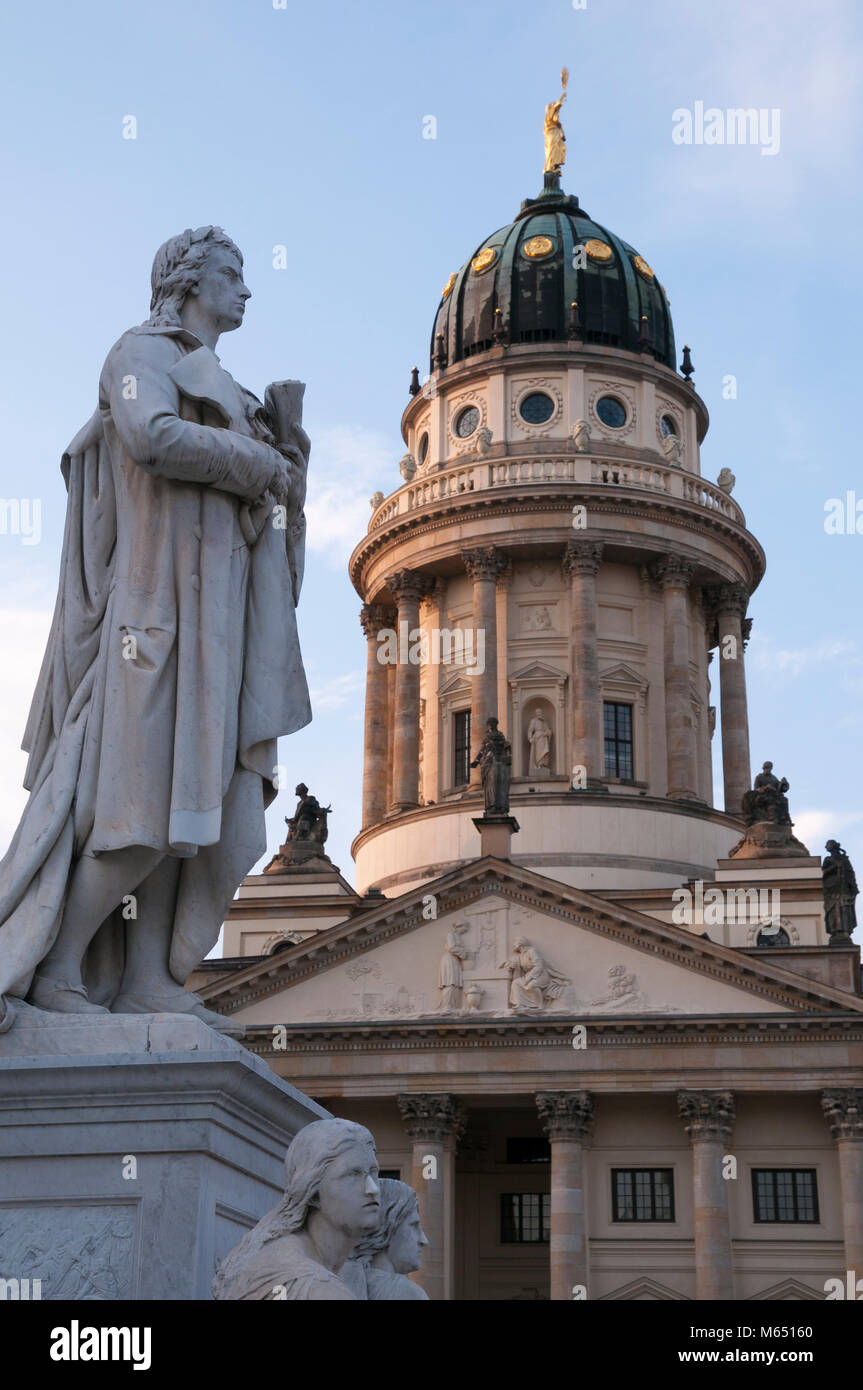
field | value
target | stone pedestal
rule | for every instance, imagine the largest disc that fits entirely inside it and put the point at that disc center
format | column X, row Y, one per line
column 495, row 834
column 135, row 1152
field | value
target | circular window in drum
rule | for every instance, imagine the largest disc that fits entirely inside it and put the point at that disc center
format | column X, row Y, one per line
column 422, row 450
column 467, row 422
column 536, row 408
column 667, row 426
column 611, row 412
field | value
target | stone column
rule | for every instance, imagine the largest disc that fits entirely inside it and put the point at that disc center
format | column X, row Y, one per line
column 567, row 1118
column 843, row 1110
column 708, row 1117
column 373, row 617
column 483, row 565
column 674, row 575
column 581, row 560
column 407, row 589
column 730, row 601
column 434, row 1123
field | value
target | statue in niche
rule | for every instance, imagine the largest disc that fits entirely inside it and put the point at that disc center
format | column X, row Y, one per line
column 539, row 737
column 726, row 480
column 533, row 984
column 840, row 893
column 581, row 436
column 767, row 800
column 673, row 450
column 494, row 760
column 331, row 1202
column 148, row 774
column 378, row 1268
column 451, row 978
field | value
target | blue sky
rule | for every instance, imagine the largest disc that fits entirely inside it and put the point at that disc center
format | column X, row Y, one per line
column 303, row 127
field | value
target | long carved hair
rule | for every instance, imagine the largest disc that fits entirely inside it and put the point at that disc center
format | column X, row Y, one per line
column 309, row 1154
column 177, row 267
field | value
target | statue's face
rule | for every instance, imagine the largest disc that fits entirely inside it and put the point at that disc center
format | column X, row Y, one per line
column 221, row 290
column 349, row 1195
column 768, row 767
column 405, row 1248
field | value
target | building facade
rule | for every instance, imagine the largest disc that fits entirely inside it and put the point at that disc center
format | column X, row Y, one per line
column 610, row 1037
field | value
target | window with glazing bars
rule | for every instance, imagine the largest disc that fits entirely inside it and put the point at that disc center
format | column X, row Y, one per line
column 642, row 1194
column 461, row 748
column 525, row 1217
column 617, row 721
column 784, row 1194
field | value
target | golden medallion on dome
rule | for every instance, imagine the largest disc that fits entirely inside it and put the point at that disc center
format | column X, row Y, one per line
column 598, row 250
column 538, row 246
column 484, row 260
column 447, row 289
column 643, row 268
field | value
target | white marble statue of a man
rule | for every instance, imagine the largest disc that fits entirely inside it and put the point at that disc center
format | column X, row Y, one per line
column 331, row 1201
column 172, row 666
column 539, row 738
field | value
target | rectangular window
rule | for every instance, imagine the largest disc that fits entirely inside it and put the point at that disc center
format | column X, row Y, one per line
column 784, row 1194
column 528, row 1151
column 461, row 748
column 642, row 1194
column 617, row 727
column 525, row 1217
column 390, row 1173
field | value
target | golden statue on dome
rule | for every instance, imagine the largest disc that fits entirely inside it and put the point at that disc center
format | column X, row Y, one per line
column 555, row 140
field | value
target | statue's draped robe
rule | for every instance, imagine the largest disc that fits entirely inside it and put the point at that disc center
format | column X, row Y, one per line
column 271, row 1263
column 171, row 745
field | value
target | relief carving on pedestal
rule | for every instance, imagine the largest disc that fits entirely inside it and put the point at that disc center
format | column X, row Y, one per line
column 78, row 1252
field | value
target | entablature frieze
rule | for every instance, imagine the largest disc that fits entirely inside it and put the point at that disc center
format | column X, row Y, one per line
column 487, row 520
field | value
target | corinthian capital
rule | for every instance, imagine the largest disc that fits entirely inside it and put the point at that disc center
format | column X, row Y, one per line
column 374, row 616
column 732, row 598
column 486, row 562
column 843, row 1110
column 671, row 570
column 582, row 557
column 431, row 1117
column 407, row 584
column 566, row 1114
column 707, row 1114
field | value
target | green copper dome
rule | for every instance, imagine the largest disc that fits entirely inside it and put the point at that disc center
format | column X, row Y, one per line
column 553, row 256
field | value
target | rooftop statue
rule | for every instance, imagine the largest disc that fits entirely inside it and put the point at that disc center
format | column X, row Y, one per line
column 494, row 760
column 840, row 894
column 555, row 140
column 331, row 1201
column 307, row 834
column 172, row 666
column 767, row 800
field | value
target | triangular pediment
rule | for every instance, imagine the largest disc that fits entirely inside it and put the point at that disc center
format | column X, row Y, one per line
column 536, row 670
column 645, row 1289
column 788, row 1290
column 585, row 958
column 622, row 674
